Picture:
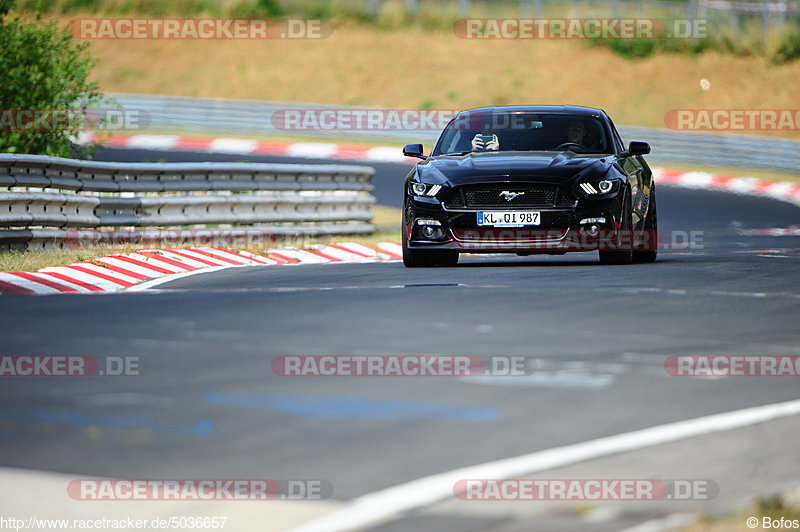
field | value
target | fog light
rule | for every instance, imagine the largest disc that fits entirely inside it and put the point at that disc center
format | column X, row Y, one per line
column 593, row 230
column 431, row 232
column 600, row 220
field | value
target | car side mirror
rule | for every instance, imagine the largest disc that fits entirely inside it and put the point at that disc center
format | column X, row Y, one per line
column 637, row 148
column 413, row 150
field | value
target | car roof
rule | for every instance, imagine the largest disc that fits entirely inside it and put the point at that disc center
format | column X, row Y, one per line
column 555, row 109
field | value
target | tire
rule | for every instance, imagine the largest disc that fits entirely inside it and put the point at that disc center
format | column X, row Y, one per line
column 651, row 227
column 619, row 256
column 447, row 258
column 417, row 258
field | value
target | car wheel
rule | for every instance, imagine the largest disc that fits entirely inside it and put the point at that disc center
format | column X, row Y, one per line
column 417, row 258
column 447, row 258
column 621, row 256
column 651, row 231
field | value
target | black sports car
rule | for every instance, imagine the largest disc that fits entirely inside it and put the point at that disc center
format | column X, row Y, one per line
column 529, row 179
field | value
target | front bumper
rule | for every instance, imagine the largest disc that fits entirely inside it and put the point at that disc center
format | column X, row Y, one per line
column 560, row 229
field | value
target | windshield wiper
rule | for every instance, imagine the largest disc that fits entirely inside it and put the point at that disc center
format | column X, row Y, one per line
column 460, row 153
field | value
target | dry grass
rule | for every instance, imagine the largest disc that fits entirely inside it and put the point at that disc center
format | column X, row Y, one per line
column 773, row 508
column 417, row 69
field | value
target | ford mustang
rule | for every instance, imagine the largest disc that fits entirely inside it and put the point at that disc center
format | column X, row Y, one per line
column 528, row 180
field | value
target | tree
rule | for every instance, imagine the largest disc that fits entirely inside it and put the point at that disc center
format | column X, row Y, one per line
column 45, row 90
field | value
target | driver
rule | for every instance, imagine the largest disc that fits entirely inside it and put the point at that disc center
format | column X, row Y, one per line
column 576, row 134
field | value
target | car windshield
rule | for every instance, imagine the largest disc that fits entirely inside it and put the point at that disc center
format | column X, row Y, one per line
column 523, row 131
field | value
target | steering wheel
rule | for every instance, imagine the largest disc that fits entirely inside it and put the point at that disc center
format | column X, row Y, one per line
column 581, row 146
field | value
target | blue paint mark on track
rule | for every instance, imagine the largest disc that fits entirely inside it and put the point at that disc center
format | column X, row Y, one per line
column 350, row 407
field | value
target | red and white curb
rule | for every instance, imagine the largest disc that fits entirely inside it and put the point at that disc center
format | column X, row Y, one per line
column 308, row 150
column 751, row 186
column 145, row 268
column 771, row 231
column 386, row 154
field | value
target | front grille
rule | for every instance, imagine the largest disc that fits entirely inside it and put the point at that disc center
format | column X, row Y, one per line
column 490, row 196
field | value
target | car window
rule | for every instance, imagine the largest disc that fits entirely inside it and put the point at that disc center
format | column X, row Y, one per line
column 514, row 131
column 617, row 137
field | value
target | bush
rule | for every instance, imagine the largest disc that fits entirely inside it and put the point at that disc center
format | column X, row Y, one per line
column 37, row 6
column 632, row 48
column 258, row 9
column 44, row 69
column 638, row 48
column 789, row 49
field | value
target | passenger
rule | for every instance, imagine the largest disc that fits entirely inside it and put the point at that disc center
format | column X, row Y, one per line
column 485, row 142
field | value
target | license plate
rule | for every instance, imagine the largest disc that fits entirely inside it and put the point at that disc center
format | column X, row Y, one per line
column 508, row 218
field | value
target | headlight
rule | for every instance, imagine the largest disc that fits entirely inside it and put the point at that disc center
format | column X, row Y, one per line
column 603, row 187
column 421, row 189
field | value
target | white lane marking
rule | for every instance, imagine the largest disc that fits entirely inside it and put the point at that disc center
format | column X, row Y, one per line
column 384, row 154
column 385, row 504
column 234, row 146
column 743, row 185
column 781, row 189
column 671, row 522
column 312, row 150
column 696, row 179
column 161, row 280
column 153, row 142
column 126, row 399
column 546, row 379
column 679, row 292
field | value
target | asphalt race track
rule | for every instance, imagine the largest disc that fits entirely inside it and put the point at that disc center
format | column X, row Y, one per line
column 207, row 404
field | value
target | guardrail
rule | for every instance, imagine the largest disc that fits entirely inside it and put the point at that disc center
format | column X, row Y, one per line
column 44, row 195
column 246, row 117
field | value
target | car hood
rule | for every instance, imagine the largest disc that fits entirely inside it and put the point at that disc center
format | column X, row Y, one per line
column 512, row 166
